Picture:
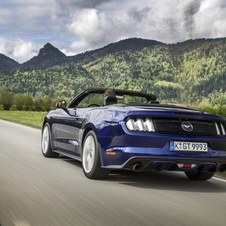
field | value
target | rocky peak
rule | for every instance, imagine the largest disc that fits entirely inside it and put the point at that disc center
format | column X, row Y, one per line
column 49, row 51
column 48, row 56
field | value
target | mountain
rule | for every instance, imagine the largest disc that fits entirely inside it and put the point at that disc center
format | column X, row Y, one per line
column 123, row 45
column 7, row 63
column 188, row 72
column 48, row 56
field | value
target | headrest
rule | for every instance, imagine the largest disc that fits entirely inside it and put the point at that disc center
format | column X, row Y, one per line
column 110, row 100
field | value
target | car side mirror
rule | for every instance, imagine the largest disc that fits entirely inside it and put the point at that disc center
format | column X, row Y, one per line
column 61, row 104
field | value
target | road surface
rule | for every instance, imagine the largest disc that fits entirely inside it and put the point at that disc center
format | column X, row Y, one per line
column 49, row 192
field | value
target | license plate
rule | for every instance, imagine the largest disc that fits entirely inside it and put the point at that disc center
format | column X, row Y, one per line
column 188, row 146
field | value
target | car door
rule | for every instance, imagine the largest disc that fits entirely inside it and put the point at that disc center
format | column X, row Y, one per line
column 68, row 125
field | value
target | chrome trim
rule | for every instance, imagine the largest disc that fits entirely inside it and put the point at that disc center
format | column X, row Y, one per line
column 187, row 126
column 218, row 131
column 222, row 129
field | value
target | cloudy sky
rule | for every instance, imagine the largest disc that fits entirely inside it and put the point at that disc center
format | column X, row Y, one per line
column 76, row 26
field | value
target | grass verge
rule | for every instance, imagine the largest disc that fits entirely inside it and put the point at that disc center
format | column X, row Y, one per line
column 29, row 118
column 221, row 174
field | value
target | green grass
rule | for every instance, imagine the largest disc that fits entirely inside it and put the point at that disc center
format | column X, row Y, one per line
column 221, row 174
column 28, row 118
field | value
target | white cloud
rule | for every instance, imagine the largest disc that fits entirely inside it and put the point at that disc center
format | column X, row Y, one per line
column 210, row 19
column 92, row 28
column 219, row 28
column 97, row 27
column 76, row 26
column 3, row 46
column 67, row 53
column 24, row 51
column 86, row 23
column 18, row 49
column 207, row 4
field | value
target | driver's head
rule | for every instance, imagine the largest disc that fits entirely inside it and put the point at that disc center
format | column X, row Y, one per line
column 109, row 92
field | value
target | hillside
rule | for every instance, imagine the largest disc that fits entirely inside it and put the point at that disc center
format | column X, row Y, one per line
column 123, row 45
column 7, row 63
column 186, row 72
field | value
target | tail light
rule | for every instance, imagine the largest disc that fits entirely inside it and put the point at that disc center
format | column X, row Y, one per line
column 140, row 124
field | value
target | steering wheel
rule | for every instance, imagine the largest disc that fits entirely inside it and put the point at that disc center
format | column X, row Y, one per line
column 93, row 105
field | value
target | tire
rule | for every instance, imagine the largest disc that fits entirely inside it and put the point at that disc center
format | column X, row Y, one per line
column 201, row 176
column 45, row 143
column 91, row 158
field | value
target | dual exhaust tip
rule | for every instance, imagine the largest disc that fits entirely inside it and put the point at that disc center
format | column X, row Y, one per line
column 137, row 166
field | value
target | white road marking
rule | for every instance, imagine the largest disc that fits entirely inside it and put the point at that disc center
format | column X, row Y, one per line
column 220, row 179
column 21, row 223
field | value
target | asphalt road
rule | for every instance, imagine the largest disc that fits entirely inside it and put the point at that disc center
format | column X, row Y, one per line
column 39, row 191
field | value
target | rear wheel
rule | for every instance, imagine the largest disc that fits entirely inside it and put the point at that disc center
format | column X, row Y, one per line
column 46, row 146
column 91, row 158
column 201, row 176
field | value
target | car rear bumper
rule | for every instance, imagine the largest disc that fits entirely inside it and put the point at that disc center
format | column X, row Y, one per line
column 139, row 159
column 152, row 151
column 142, row 163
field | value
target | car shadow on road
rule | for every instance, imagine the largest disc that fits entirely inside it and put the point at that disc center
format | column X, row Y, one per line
column 70, row 160
column 165, row 180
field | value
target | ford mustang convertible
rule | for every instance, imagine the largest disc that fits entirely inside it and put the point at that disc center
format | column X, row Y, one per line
column 132, row 131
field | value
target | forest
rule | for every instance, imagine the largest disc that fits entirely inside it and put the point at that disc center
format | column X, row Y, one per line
column 191, row 72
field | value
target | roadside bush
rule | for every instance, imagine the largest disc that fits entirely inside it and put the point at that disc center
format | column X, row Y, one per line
column 24, row 108
column 6, row 99
column 223, row 111
column 47, row 103
column 13, row 108
column 19, row 100
column 29, row 103
column 213, row 110
column 23, row 102
column 39, row 104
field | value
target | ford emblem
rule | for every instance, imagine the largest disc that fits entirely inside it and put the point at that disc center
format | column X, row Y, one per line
column 187, row 126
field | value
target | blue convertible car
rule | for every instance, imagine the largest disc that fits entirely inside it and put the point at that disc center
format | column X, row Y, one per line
column 133, row 131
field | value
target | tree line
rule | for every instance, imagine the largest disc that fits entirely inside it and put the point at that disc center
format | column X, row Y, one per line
column 25, row 102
